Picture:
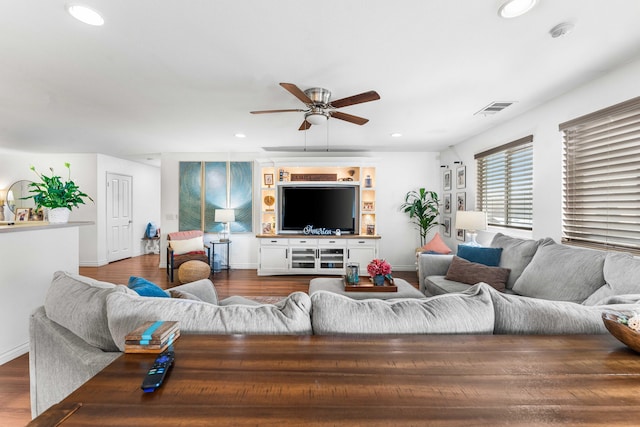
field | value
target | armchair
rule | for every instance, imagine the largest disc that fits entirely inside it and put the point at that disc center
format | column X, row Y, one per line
column 183, row 246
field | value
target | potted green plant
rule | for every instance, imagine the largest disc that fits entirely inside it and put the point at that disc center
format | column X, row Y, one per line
column 56, row 195
column 422, row 208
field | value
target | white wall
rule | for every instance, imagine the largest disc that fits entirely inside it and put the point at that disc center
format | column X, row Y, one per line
column 542, row 122
column 88, row 171
column 396, row 174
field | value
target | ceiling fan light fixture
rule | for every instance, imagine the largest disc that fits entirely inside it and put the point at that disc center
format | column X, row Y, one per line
column 317, row 118
column 514, row 8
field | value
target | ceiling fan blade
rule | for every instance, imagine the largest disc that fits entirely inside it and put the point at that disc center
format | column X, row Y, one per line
column 277, row 111
column 348, row 117
column 305, row 125
column 372, row 95
column 295, row 91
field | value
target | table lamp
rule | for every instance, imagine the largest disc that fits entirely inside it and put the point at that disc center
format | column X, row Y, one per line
column 472, row 221
column 225, row 216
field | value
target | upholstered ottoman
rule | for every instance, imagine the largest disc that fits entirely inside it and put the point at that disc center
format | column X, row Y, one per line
column 336, row 285
column 193, row 270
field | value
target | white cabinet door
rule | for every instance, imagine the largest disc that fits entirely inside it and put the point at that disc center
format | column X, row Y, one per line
column 362, row 252
column 331, row 256
column 274, row 257
column 304, row 255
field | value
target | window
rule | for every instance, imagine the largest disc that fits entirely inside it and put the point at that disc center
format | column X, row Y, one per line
column 601, row 188
column 505, row 184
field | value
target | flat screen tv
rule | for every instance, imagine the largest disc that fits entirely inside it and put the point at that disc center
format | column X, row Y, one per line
column 322, row 208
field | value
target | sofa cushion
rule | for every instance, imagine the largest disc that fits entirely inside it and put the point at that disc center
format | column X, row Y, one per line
column 203, row 289
column 471, row 273
column 470, row 312
column 480, row 255
column 182, row 295
column 516, row 314
column 126, row 312
column 79, row 305
column 562, row 273
column 436, row 245
column 516, row 254
column 145, row 288
column 437, row 285
column 621, row 276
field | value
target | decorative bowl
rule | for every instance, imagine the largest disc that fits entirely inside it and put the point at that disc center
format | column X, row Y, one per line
column 621, row 331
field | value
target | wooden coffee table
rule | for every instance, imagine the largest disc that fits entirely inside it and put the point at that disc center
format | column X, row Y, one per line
column 437, row 380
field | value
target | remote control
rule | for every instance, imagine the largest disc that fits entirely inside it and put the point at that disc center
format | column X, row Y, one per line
column 158, row 371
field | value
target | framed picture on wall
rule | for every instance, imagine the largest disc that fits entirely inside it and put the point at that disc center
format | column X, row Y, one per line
column 447, row 203
column 460, row 235
column 461, row 177
column 461, row 201
column 446, row 180
column 368, row 206
column 446, row 226
column 23, row 214
column 268, row 179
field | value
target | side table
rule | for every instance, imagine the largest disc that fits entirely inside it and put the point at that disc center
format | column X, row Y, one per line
column 227, row 260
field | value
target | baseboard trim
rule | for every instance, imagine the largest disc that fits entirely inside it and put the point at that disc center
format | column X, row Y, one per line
column 13, row 353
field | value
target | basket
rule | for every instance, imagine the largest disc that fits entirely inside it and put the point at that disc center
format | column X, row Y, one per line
column 622, row 332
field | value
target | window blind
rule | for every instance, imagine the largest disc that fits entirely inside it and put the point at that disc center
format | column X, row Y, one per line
column 601, row 178
column 505, row 184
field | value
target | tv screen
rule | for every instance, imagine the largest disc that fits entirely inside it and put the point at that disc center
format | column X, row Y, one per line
column 320, row 207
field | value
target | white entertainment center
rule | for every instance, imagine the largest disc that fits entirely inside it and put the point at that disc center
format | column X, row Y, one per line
column 315, row 251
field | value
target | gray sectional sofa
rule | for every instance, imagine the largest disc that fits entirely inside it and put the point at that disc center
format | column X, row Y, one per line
column 542, row 269
column 81, row 327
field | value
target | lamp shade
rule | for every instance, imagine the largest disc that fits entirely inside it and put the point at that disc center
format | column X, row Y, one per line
column 225, row 215
column 471, row 220
column 316, row 118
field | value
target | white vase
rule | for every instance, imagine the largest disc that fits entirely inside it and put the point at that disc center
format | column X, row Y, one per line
column 59, row 215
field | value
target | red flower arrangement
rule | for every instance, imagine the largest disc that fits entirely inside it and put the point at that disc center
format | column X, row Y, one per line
column 378, row 266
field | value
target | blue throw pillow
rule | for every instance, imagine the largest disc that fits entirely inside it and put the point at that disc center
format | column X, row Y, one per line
column 145, row 288
column 481, row 255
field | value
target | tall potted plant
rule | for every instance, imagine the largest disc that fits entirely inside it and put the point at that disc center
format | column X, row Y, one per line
column 56, row 195
column 422, row 208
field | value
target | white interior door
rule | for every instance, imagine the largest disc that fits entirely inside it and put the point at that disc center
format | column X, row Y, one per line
column 119, row 220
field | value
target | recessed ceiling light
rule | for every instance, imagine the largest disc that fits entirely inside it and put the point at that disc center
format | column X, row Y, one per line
column 514, row 8
column 85, row 14
column 396, row 135
column 240, row 135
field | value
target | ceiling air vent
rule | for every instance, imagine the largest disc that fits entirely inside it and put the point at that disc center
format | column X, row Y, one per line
column 493, row 108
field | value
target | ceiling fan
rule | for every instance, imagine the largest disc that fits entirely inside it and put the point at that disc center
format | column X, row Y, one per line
column 320, row 107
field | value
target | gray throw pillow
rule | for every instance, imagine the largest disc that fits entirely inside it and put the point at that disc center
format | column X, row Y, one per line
column 79, row 305
column 562, row 273
column 622, row 276
column 516, row 254
column 126, row 312
column 469, row 312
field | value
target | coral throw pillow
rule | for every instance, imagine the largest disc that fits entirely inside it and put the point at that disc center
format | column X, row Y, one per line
column 437, row 245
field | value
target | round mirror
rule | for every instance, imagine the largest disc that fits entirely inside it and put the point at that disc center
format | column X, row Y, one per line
column 15, row 194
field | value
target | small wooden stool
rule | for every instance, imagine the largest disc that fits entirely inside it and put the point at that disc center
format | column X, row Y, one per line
column 193, row 270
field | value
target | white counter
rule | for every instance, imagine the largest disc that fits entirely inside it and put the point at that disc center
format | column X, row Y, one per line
column 29, row 255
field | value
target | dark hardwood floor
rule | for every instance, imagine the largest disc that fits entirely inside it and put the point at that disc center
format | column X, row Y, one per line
column 14, row 375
